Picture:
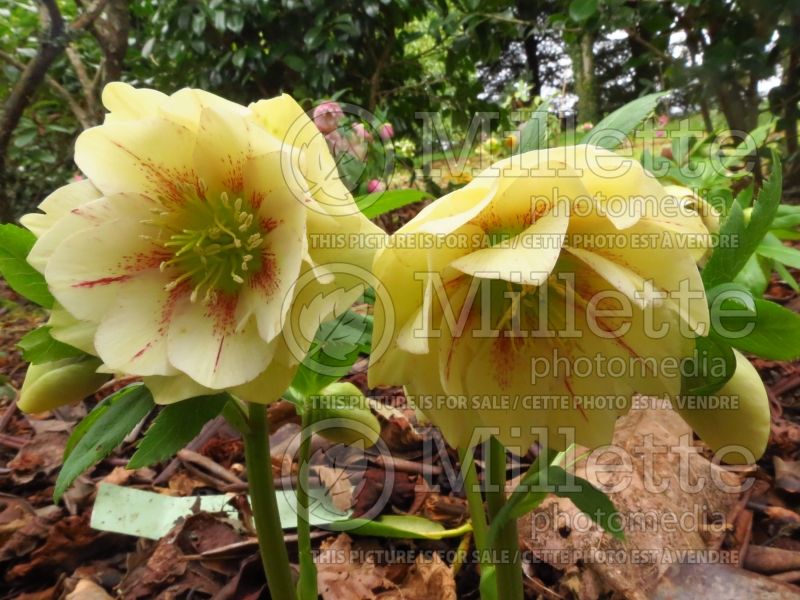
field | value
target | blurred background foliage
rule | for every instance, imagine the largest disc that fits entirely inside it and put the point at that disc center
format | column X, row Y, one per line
column 733, row 64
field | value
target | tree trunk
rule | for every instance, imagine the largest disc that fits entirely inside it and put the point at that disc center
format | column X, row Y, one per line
column 51, row 46
column 582, row 55
column 528, row 11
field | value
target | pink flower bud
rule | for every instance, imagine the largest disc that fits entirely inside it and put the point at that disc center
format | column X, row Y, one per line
column 587, row 126
column 386, row 132
column 362, row 132
column 663, row 120
column 375, row 185
column 327, row 116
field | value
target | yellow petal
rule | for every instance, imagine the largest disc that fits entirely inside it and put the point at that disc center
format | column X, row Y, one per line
column 132, row 337
column 124, row 102
column 527, row 258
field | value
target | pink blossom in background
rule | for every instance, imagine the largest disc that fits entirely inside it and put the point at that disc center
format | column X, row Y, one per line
column 663, row 120
column 587, row 126
column 78, row 177
column 660, row 133
column 337, row 142
column 361, row 131
column 386, row 132
column 375, row 185
column 327, row 116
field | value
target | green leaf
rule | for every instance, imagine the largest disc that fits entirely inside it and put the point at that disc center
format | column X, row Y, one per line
column 589, row 500
column 117, row 417
column 378, row 203
column 580, row 10
column 335, row 349
column 39, row 346
column 174, row 427
column 399, row 526
column 238, row 57
column 754, row 275
column 611, row 131
column 738, row 241
column 534, row 134
column 15, row 244
column 775, row 333
column 545, row 477
column 783, row 254
column 710, row 367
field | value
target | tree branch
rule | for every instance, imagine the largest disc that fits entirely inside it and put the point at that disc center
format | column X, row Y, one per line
column 74, row 106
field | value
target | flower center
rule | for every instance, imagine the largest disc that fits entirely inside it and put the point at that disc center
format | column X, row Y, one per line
column 214, row 246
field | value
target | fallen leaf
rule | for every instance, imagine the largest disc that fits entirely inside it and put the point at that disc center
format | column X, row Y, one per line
column 41, row 455
column 339, row 578
column 787, row 474
column 429, row 578
column 665, row 520
column 86, row 589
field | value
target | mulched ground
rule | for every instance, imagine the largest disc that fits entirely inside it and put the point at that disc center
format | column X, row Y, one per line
column 49, row 551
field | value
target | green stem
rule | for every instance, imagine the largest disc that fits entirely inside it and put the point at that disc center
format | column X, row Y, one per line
column 307, row 584
column 274, row 555
column 474, row 501
column 509, row 567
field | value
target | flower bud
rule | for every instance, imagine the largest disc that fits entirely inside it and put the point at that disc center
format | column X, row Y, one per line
column 375, row 185
column 737, row 416
column 327, row 116
column 386, row 132
column 53, row 384
column 341, row 414
column 361, row 131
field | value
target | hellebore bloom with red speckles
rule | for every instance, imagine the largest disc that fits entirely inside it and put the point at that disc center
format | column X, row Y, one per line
column 545, row 294
column 177, row 258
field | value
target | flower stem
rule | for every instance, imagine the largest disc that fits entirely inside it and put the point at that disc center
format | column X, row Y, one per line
column 509, row 567
column 274, row 555
column 477, row 516
column 475, row 502
column 307, row 585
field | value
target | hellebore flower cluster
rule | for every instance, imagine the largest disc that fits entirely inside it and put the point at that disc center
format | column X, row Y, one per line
column 547, row 261
column 176, row 258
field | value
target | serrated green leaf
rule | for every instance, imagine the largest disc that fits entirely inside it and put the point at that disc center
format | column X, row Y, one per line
column 741, row 241
column 775, row 330
column 15, row 244
column 115, row 420
column 38, row 346
column 783, row 254
column 337, row 345
column 174, row 427
column 611, row 131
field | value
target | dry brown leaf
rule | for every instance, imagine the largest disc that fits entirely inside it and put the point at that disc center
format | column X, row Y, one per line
column 88, row 590
column 42, row 455
column 556, row 534
column 340, row 579
column 338, row 486
column 429, row 578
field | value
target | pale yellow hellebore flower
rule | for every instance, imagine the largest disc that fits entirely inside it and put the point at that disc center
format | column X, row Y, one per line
column 483, row 283
column 176, row 258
